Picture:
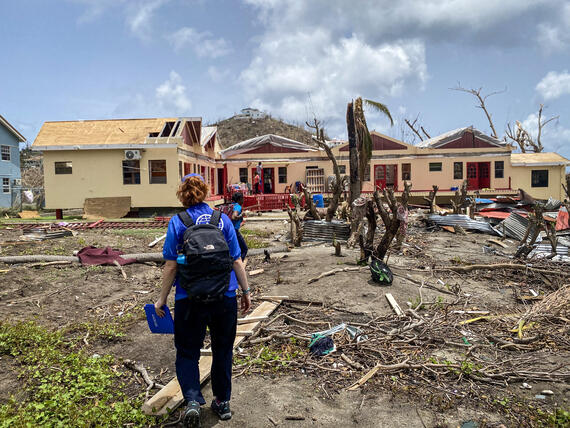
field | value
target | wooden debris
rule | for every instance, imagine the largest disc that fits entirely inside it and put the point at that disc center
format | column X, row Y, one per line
column 55, row 263
column 294, row 418
column 448, row 228
column 332, row 272
column 395, row 307
column 373, row 371
column 170, row 397
column 248, row 320
column 116, row 263
column 157, row 240
column 256, row 272
column 28, row 214
column 497, row 242
column 351, row 363
column 274, row 298
column 272, row 421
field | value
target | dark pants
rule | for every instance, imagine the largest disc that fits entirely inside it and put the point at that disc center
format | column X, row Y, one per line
column 190, row 321
column 242, row 244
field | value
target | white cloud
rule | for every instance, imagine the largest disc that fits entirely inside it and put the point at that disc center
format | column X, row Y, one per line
column 171, row 95
column 203, row 44
column 554, row 85
column 170, row 98
column 289, row 67
column 218, row 75
column 435, row 20
column 139, row 16
column 553, row 36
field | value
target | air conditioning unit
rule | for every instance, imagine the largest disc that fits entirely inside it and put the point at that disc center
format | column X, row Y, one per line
column 132, row 154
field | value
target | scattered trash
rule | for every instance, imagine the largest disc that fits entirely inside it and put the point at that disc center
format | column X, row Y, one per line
column 540, row 397
column 526, row 386
column 381, row 273
column 547, row 392
column 321, row 345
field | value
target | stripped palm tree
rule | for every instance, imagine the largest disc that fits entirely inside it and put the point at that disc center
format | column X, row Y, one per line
column 363, row 138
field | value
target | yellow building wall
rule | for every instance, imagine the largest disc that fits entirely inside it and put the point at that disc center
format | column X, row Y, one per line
column 522, row 178
column 99, row 173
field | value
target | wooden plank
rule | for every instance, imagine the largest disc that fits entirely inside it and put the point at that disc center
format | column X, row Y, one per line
column 256, row 272
column 394, row 304
column 170, row 397
column 249, row 320
column 497, row 242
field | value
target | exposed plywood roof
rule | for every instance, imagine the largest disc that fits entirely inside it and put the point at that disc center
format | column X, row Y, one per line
column 13, row 130
column 98, row 132
column 538, row 159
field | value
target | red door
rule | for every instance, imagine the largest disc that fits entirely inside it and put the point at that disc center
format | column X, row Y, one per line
column 253, row 172
column 212, row 179
column 484, row 175
column 379, row 176
column 186, row 168
column 472, row 176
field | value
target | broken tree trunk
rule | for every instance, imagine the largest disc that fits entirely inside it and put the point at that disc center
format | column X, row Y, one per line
column 309, row 201
column 390, row 219
column 367, row 245
column 296, row 226
column 358, row 209
column 353, row 155
column 534, row 224
column 140, row 258
column 402, row 215
column 459, row 199
column 431, row 199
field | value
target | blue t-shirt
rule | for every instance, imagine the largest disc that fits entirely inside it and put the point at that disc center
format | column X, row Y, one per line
column 237, row 223
column 200, row 213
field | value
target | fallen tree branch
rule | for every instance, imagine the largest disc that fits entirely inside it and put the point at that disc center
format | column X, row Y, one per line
column 470, row 268
column 332, row 272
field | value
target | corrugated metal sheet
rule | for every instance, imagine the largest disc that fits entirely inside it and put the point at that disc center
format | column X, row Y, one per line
column 464, row 221
column 323, row 231
column 515, row 227
column 546, row 249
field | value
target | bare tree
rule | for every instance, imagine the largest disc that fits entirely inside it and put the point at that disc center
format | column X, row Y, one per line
column 481, row 99
column 431, row 198
column 523, row 138
column 338, row 184
column 416, row 128
column 566, row 188
column 296, row 224
column 459, row 198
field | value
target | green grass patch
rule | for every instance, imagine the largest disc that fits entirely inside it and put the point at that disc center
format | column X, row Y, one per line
column 63, row 385
column 254, row 238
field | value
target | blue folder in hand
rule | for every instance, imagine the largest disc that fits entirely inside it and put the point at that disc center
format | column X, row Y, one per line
column 164, row 325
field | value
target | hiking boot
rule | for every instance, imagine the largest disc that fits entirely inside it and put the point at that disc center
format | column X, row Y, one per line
column 222, row 409
column 191, row 417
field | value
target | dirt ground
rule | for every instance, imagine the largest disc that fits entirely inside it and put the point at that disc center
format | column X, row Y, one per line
column 67, row 296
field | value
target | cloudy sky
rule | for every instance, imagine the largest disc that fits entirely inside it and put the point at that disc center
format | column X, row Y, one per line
column 95, row 59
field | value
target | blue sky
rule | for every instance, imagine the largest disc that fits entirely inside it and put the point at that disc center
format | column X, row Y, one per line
column 96, row 59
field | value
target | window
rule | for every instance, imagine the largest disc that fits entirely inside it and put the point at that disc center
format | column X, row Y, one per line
column 243, row 175
column 367, row 173
column 63, row 167
column 157, row 171
column 499, row 169
column 406, row 171
column 458, row 170
column 131, row 172
column 282, row 174
column 342, row 169
column 435, row 167
column 5, row 153
column 539, row 178
column 5, row 185
column 180, row 175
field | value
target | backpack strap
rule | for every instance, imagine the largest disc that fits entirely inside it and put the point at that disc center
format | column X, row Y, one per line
column 186, row 219
column 215, row 218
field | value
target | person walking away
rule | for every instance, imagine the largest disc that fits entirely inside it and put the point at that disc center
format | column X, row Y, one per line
column 237, row 219
column 202, row 260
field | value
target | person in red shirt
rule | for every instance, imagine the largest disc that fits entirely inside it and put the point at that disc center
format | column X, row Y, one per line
column 256, row 181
